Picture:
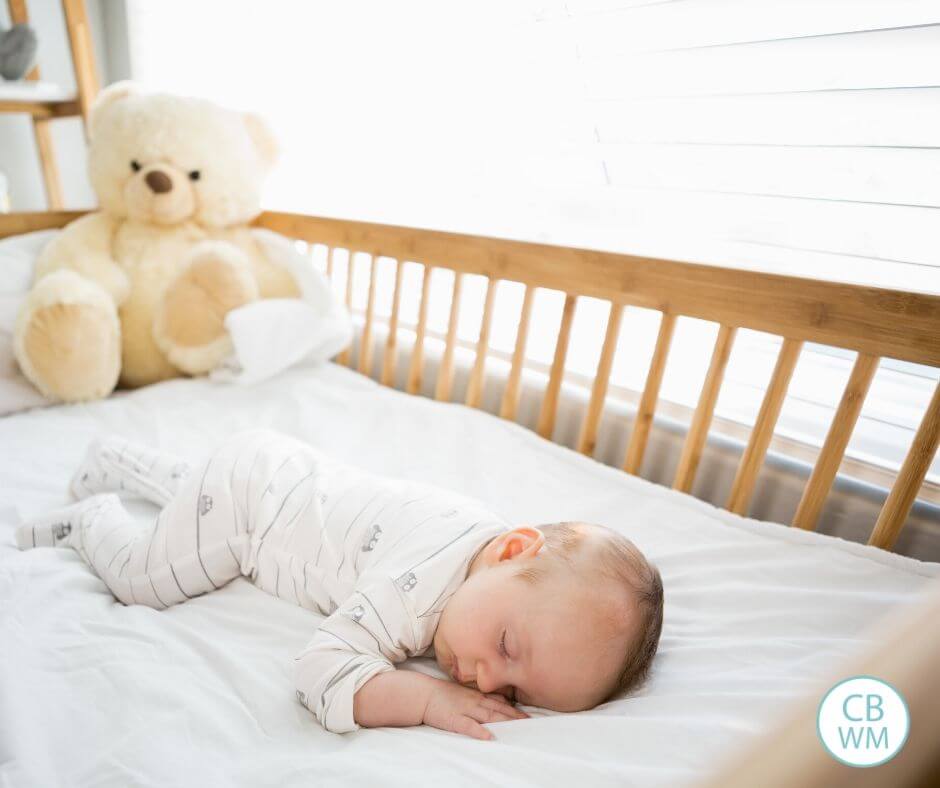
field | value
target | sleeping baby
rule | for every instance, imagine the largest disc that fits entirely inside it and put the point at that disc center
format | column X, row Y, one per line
column 560, row 616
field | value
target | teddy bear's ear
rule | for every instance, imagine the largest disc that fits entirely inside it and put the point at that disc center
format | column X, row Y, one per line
column 107, row 97
column 262, row 136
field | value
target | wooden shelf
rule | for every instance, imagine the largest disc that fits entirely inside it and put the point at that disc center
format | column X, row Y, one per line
column 39, row 99
column 42, row 109
column 45, row 101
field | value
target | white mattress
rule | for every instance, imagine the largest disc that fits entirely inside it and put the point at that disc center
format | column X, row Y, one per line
column 95, row 693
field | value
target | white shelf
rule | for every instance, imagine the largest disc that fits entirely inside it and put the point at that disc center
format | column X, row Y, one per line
column 33, row 91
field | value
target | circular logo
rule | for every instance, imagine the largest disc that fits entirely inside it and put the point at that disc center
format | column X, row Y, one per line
column 863, row 721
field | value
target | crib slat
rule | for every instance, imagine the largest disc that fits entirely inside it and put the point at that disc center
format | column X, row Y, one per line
column 588, row 438
column 763, row 431
column 654, row 379
column 329, row 276
column 329, row 263
column 702, row 419
column 417, row 353
column 511, row 394
column 365, row 345
column 475, row 387
column 345, row 357
column 911, row 476
column 445, row 375
column 546, row 425
column 391, row 341
column 830, row 457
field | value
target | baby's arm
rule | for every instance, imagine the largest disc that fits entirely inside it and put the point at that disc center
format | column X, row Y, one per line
column 404, row 697
column 396, row 698
column 346, row 675
column 344, row 654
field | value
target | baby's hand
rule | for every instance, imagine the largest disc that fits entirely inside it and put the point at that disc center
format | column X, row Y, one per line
column 453, row 707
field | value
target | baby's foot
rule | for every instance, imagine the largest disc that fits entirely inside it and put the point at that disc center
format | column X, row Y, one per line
column 118, row 465
column 55, row 528
column 91, row 478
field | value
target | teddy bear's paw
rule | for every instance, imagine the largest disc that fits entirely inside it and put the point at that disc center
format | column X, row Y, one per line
column 189, row 324
column 71, row 351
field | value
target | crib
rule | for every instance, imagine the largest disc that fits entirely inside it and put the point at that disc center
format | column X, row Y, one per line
column 875, row 323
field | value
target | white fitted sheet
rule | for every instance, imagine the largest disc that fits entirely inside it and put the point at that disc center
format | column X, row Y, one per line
column 95, row 693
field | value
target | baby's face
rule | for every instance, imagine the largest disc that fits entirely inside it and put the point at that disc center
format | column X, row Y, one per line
column 543, row 645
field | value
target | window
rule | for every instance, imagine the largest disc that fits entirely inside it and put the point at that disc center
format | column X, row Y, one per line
column 795, row 137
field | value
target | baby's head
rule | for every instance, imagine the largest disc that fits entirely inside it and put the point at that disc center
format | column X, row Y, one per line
column 562, row 616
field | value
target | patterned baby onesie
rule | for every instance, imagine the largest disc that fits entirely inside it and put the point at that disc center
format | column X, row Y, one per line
column 379, row 557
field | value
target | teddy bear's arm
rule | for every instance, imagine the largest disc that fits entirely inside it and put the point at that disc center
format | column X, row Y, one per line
column 84, row 246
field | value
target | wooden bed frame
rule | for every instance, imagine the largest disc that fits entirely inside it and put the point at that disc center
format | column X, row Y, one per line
column 875, row 322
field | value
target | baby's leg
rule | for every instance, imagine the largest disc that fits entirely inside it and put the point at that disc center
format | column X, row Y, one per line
column 114, row 464
column 196, row 544
column 156, row 565
column 256, row 485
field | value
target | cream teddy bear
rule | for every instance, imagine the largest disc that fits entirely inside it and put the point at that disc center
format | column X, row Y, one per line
column 138, row 291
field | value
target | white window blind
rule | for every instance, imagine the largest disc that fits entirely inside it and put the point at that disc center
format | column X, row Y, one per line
column 796, row 137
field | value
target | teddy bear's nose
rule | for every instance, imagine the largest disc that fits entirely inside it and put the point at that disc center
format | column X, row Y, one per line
column 159, row 181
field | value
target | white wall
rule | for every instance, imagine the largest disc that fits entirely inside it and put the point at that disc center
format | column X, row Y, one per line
column 19, row 159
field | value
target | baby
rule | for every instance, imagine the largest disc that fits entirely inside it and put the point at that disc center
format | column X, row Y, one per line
column 560, row 616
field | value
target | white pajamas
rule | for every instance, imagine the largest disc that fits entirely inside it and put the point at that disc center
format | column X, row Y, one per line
column 380, row 557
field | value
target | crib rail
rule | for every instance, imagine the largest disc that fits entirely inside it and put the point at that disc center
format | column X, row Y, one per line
column 881, row 322
column 874, row 322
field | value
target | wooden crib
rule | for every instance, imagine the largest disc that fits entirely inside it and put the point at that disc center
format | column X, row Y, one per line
column 874, row 322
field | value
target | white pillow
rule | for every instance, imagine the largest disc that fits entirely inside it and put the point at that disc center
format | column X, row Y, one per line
column 18, row 255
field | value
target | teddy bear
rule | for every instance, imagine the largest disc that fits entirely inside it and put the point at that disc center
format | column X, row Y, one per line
column 138, row 291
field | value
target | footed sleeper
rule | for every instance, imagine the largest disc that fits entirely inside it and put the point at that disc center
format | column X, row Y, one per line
column 378, row 556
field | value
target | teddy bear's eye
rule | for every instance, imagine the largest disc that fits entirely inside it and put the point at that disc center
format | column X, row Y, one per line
column 194, row 175
column 135, row 165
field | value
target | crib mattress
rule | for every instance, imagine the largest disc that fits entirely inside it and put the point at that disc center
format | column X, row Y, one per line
column 95, row 693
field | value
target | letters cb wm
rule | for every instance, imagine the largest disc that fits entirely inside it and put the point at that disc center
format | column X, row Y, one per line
column 863, row 721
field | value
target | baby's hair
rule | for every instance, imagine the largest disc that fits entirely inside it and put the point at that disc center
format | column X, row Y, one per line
column 621, row 561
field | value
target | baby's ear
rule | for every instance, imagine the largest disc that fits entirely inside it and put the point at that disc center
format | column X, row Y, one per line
column 521, row 542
